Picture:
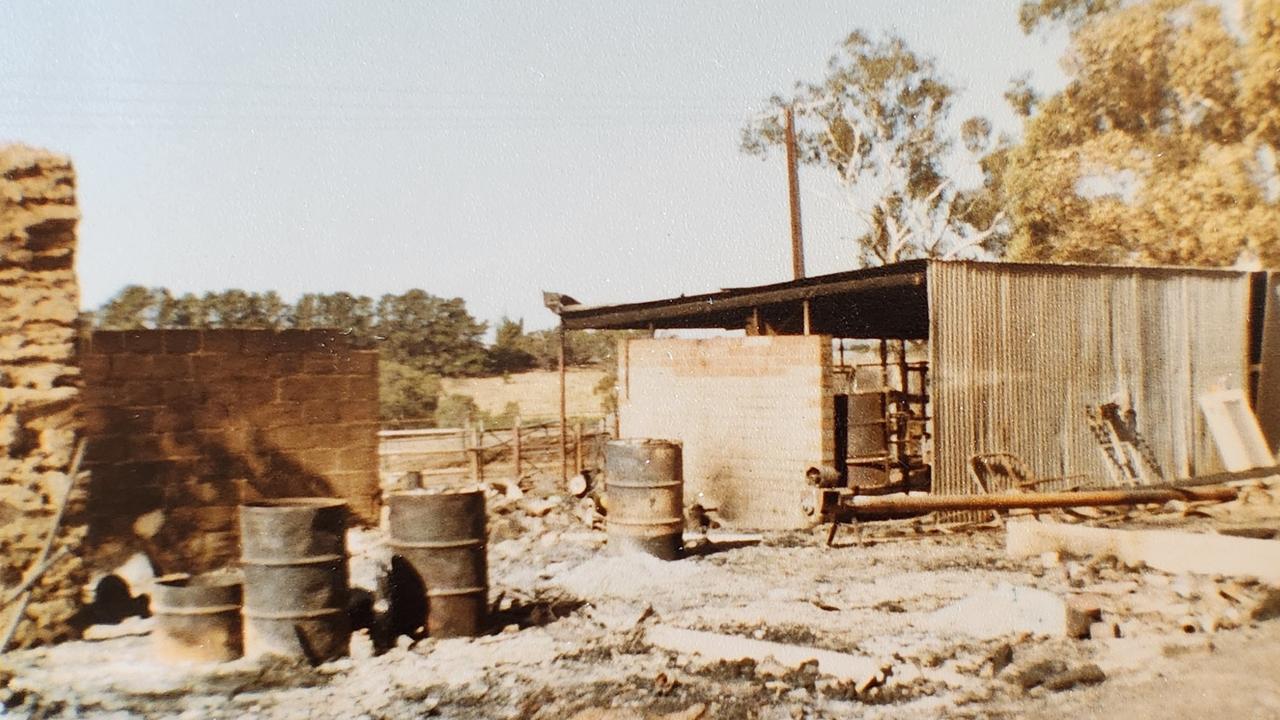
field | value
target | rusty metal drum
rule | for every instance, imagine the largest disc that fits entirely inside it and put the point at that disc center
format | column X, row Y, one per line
column 439, row 541
column 197, row 618
column 294, row 557
column 644, row 483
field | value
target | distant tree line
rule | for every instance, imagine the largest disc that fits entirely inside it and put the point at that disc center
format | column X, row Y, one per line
column 422, row 338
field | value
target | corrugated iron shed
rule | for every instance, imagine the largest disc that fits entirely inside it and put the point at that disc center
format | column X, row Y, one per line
column 1019, row 351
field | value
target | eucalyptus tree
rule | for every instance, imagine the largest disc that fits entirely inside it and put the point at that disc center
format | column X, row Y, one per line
column 879, row 124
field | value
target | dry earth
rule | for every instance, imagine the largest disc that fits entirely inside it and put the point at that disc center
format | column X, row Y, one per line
column 572, row 625
column 537, row 393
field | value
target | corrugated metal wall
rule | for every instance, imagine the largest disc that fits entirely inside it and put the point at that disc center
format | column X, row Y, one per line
column 1018, row 351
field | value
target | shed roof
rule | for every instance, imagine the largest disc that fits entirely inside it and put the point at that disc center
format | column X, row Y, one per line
column 889, row 301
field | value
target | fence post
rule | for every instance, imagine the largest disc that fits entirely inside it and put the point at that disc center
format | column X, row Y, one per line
column 602, row 436
column 473, row 457
column 516, row 448
column 480, row 450
column 577, row 447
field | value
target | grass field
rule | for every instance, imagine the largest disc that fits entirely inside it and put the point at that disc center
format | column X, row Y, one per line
column 537, row 393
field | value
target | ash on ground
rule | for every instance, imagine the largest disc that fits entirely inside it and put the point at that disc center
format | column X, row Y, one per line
column 945, row 622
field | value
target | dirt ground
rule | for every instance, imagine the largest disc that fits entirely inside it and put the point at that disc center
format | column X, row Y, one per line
column 572, row 626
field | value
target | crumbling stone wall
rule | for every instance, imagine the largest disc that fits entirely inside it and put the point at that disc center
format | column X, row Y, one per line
column 185, row 424
column 39, row 386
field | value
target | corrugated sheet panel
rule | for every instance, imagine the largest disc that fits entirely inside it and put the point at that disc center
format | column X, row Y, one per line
column 1019, row 352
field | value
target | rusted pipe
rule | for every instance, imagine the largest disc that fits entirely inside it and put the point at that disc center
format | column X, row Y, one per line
column 864, row 506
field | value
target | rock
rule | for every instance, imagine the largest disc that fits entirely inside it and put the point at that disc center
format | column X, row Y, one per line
column 148, row 525
column 1185, row 586
column 1267, row 607
column 770, row 668
column 1009, row 610
column 1082, row 612
column 540, row 508
column 1084, row 675
column 1035, row 674
column 361, row 645
column 1050, row 559
column 137, row 573
column 693, row 712
column 1104, row 630
column 337, row 667
column 1000, row 658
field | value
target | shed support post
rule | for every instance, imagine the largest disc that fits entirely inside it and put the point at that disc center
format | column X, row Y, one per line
column 564, row 423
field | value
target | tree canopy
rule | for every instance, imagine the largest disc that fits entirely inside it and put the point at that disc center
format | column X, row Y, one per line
column 1163, row 146
column 879, row 124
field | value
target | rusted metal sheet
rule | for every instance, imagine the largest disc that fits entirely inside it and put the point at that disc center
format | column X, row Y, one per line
column 1019, row 351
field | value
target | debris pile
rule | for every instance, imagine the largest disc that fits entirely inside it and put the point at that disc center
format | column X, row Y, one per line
column 911, row 621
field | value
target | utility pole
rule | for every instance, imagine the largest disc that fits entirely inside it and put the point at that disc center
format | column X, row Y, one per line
column 793, row 188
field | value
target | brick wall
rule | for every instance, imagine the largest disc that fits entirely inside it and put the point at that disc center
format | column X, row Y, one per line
column 753, row 413
column 39, row 385
column 184, row 424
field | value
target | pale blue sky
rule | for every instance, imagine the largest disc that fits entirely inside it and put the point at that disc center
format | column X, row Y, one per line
column 477, row 149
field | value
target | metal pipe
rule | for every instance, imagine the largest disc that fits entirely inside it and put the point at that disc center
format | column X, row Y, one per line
column 864, row 505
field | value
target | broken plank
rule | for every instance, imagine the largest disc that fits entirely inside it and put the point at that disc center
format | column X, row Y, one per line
column 1236, row 431
column 719, row 647
column 1168, row 550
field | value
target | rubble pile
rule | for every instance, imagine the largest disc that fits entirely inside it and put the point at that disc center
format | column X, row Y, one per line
column 896, row 624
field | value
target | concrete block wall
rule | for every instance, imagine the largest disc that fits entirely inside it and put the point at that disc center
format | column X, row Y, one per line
column 39, row 386
column 185, row 424
column 753, row 413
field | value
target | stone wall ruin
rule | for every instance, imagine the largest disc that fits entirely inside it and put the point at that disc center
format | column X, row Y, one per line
column 40, row 387
column 178, row 426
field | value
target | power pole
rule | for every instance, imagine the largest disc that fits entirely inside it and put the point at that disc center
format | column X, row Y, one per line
column 793, row 188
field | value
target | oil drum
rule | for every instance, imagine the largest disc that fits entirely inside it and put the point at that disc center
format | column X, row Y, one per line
column 439, row 543
column 293, row 552
column 197, row 618
column 644, row 483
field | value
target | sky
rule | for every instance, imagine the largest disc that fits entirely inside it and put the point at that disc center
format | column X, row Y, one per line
column 482, row 150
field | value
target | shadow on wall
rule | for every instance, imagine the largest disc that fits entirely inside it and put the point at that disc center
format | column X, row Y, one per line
column 183, row 512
